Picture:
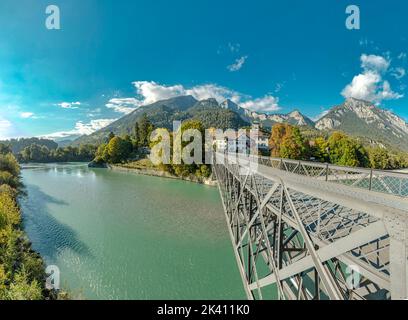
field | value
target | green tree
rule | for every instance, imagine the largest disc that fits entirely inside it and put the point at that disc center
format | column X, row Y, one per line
column 145, row 129
column 183, row 169
column 5, row 148
column 110, row 137
column 380, row 158
column 117, row 150
column 22, row 289
column 319, row 149
column 346, row 151
column 21, row 270
column 101, row 154
column 137, row 134
column 9, row 171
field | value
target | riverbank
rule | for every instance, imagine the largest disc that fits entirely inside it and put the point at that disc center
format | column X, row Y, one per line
column 163, row 174
column 22, row 269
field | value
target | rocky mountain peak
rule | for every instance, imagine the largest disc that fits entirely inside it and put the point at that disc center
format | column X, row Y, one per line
column 364, row 119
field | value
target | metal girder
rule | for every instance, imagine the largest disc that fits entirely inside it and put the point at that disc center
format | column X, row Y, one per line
column 305, row 238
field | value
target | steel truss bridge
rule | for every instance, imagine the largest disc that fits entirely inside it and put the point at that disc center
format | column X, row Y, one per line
column 305, row 230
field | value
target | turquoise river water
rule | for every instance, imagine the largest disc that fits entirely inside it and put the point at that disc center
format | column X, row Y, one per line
column 125, row 236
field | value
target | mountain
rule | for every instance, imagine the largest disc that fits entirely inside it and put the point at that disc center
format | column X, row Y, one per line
column 295, row 117
column 358, row 118
column 229, row 105
column 268, row 120
column 212, row 114
column 163, row 113
column 63, row 143
column 363, row 119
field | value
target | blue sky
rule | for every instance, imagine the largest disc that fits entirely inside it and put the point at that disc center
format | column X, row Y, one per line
column 112, row 56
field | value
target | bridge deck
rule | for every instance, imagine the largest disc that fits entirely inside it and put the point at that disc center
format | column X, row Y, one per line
column 306, row 237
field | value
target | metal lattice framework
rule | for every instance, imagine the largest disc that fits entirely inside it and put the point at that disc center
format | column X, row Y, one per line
column 297, row 236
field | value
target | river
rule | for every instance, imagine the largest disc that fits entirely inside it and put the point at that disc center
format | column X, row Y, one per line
column 117, row 235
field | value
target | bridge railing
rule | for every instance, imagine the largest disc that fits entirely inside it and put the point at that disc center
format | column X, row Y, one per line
column 299, row 236
column 389, row 182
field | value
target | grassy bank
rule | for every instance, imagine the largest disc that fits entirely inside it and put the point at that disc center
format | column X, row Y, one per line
column 22, row 275
column 22, row 270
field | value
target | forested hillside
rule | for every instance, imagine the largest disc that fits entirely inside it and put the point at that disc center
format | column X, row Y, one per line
column 162, row 114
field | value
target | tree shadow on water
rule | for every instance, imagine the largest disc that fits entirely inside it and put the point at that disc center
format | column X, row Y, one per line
column 48, row 235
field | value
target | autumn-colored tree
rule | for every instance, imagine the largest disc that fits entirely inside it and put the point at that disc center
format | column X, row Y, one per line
column 275, row 141
column 287, row 142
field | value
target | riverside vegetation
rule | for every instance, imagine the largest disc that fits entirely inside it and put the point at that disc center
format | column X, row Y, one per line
column 286, row 141
column 130, row 151
column 22, row 271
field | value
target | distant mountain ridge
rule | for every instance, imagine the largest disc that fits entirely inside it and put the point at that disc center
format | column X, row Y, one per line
column 163, row 113
column 355, row 117
column 295, row 118
column 363, row 119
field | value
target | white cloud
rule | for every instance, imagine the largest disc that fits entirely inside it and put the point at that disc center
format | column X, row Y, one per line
column 279, row 86
column 399, row 73
column 149, row 92
column 69, row 105
column 238, row 64
column 92, row 126
column 363, row 86
column 374, row 63
column 5, row 127
column 370, row 85
column 123, row 105
column 387, row 94
column 81, row 128
column 402, row 56
column 234, row 47
column 265, row 104
column 365, row 42
column 213, row 91
column 26, row 115
column 320, row 115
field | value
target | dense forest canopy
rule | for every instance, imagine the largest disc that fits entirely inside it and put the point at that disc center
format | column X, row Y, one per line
column 42, row 154
column 18, row 145
column 44, row 150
